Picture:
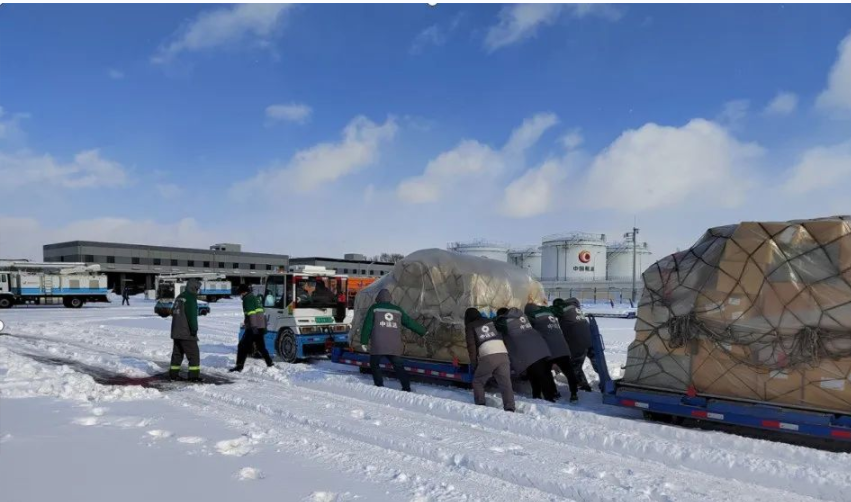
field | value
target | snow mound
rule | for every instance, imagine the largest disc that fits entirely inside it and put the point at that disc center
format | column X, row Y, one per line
column 249, row 473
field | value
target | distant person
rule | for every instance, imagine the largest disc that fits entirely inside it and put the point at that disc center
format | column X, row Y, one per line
column 577, row 332
column 528, row 352
column 322, row 295
column 489, row 356
column 254, row 334
column 125, row 296
column 184, row 332
column 612, row 302
column 543, row 319
column 382, row 332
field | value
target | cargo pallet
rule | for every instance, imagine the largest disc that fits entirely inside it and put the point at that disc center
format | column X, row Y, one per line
column 749, row 416
column 451, row 372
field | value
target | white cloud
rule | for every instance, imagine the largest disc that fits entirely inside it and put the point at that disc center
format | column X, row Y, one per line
column 837, row 96
column 169, row 191
column 326, row 162
column 529, row 132
column 782, row 104
column 10, row 129
column 468, row 158
column 536, row 192
column 435, row 35
column 821, row 167
column 573, row 139
column 472, row 159
column 225, row 26
column 293, row 112
column 522, row 21
column 87, row 170
column 30, row 235
column 115, row 74
column 734, row 112
column 660, row 166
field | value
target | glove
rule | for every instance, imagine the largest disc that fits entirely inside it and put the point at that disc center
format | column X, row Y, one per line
column 194, row 334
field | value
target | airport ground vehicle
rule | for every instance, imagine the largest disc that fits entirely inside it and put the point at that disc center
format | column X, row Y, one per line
column 169, row 287
column 306, row 312
column 72, row 284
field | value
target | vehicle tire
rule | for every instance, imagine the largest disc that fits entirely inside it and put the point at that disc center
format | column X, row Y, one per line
column 213, row 299
column 5, row 302
column 286, row 346
column 75, row 303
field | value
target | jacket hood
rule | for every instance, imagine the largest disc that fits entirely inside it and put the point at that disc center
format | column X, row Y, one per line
column 471, row 314
column 573, row 301
column 559, row 302
column 193, row 286
column 383, row 296
column 513, row 313
column 530, row 309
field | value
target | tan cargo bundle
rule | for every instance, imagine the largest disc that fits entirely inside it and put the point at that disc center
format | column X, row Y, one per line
column 435, row 287
column 755, row 311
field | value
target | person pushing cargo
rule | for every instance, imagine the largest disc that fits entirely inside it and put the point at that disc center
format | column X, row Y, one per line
column 382, row 332
column 254, row 334
column 489, row 356
column 527, row 351
column 545, row 322
column 184, row 332
column 577, row 332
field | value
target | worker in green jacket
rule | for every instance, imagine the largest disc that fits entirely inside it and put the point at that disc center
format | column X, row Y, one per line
column 382, row 332
column 254, row 334
column 184, row 332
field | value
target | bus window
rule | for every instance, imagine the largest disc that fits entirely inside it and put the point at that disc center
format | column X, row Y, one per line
column 274, row 294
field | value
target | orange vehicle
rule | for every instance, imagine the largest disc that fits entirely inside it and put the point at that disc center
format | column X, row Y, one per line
column 355, row 285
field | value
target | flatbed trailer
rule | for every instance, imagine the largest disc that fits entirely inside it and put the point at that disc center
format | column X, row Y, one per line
column 735, row 414
column 435, row 370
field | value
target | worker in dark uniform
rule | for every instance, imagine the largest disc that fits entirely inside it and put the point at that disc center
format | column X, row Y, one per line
column 184, row 332
column 577, row 331
column 546, row 323
column 527, row 351
column 382, row 332
column 254, row 334
column 489, row 357
column 125, row 296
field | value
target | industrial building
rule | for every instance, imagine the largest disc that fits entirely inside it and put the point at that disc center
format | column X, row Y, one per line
column 575, row 264
column 136, row 265
column 353, row 265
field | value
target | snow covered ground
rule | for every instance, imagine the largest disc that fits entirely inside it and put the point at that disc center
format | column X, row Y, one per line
column 321, row 432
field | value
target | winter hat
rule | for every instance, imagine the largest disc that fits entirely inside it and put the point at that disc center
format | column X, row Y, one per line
column 471, row 314
column 530, row 309
column 574, row 302
column 193, row 286
column 243, row 288
column 559, row 302
column 383, row 296
column 502, row 311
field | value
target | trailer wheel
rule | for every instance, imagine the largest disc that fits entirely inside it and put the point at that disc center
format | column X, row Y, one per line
column 5, row 302
column 286, row 345
column 75, row 303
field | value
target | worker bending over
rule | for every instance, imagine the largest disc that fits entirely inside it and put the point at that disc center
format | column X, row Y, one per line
column 382, row 333
column 489, row 357
column 528, row 352
column 543, row 319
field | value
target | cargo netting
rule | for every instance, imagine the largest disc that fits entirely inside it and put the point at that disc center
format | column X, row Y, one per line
column 759, row 311
column 435, row 287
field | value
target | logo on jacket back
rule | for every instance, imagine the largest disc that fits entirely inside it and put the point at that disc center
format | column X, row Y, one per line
column 484, row 333
column 389, row 321
column 553, row 323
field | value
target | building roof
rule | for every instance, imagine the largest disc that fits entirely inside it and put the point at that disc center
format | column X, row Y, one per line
column 156, row 248
column 295, row 261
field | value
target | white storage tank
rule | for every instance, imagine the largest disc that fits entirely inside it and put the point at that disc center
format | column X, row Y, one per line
column 619, row 256
column 482, row 248
column 575, row 256
column 528, row 258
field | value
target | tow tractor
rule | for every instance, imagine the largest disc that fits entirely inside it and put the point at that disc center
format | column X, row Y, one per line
column 306, row 312
column 169, row 287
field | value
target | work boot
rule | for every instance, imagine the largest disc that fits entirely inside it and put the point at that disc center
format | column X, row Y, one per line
column 270, row 365
column 236, row 369
column 174, row 374
column 574, row 398
column 585, row 388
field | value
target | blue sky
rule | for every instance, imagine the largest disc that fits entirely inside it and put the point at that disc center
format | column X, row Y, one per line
column 323, row 129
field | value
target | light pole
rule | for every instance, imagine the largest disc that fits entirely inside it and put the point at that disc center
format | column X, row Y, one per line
column 633, row 236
